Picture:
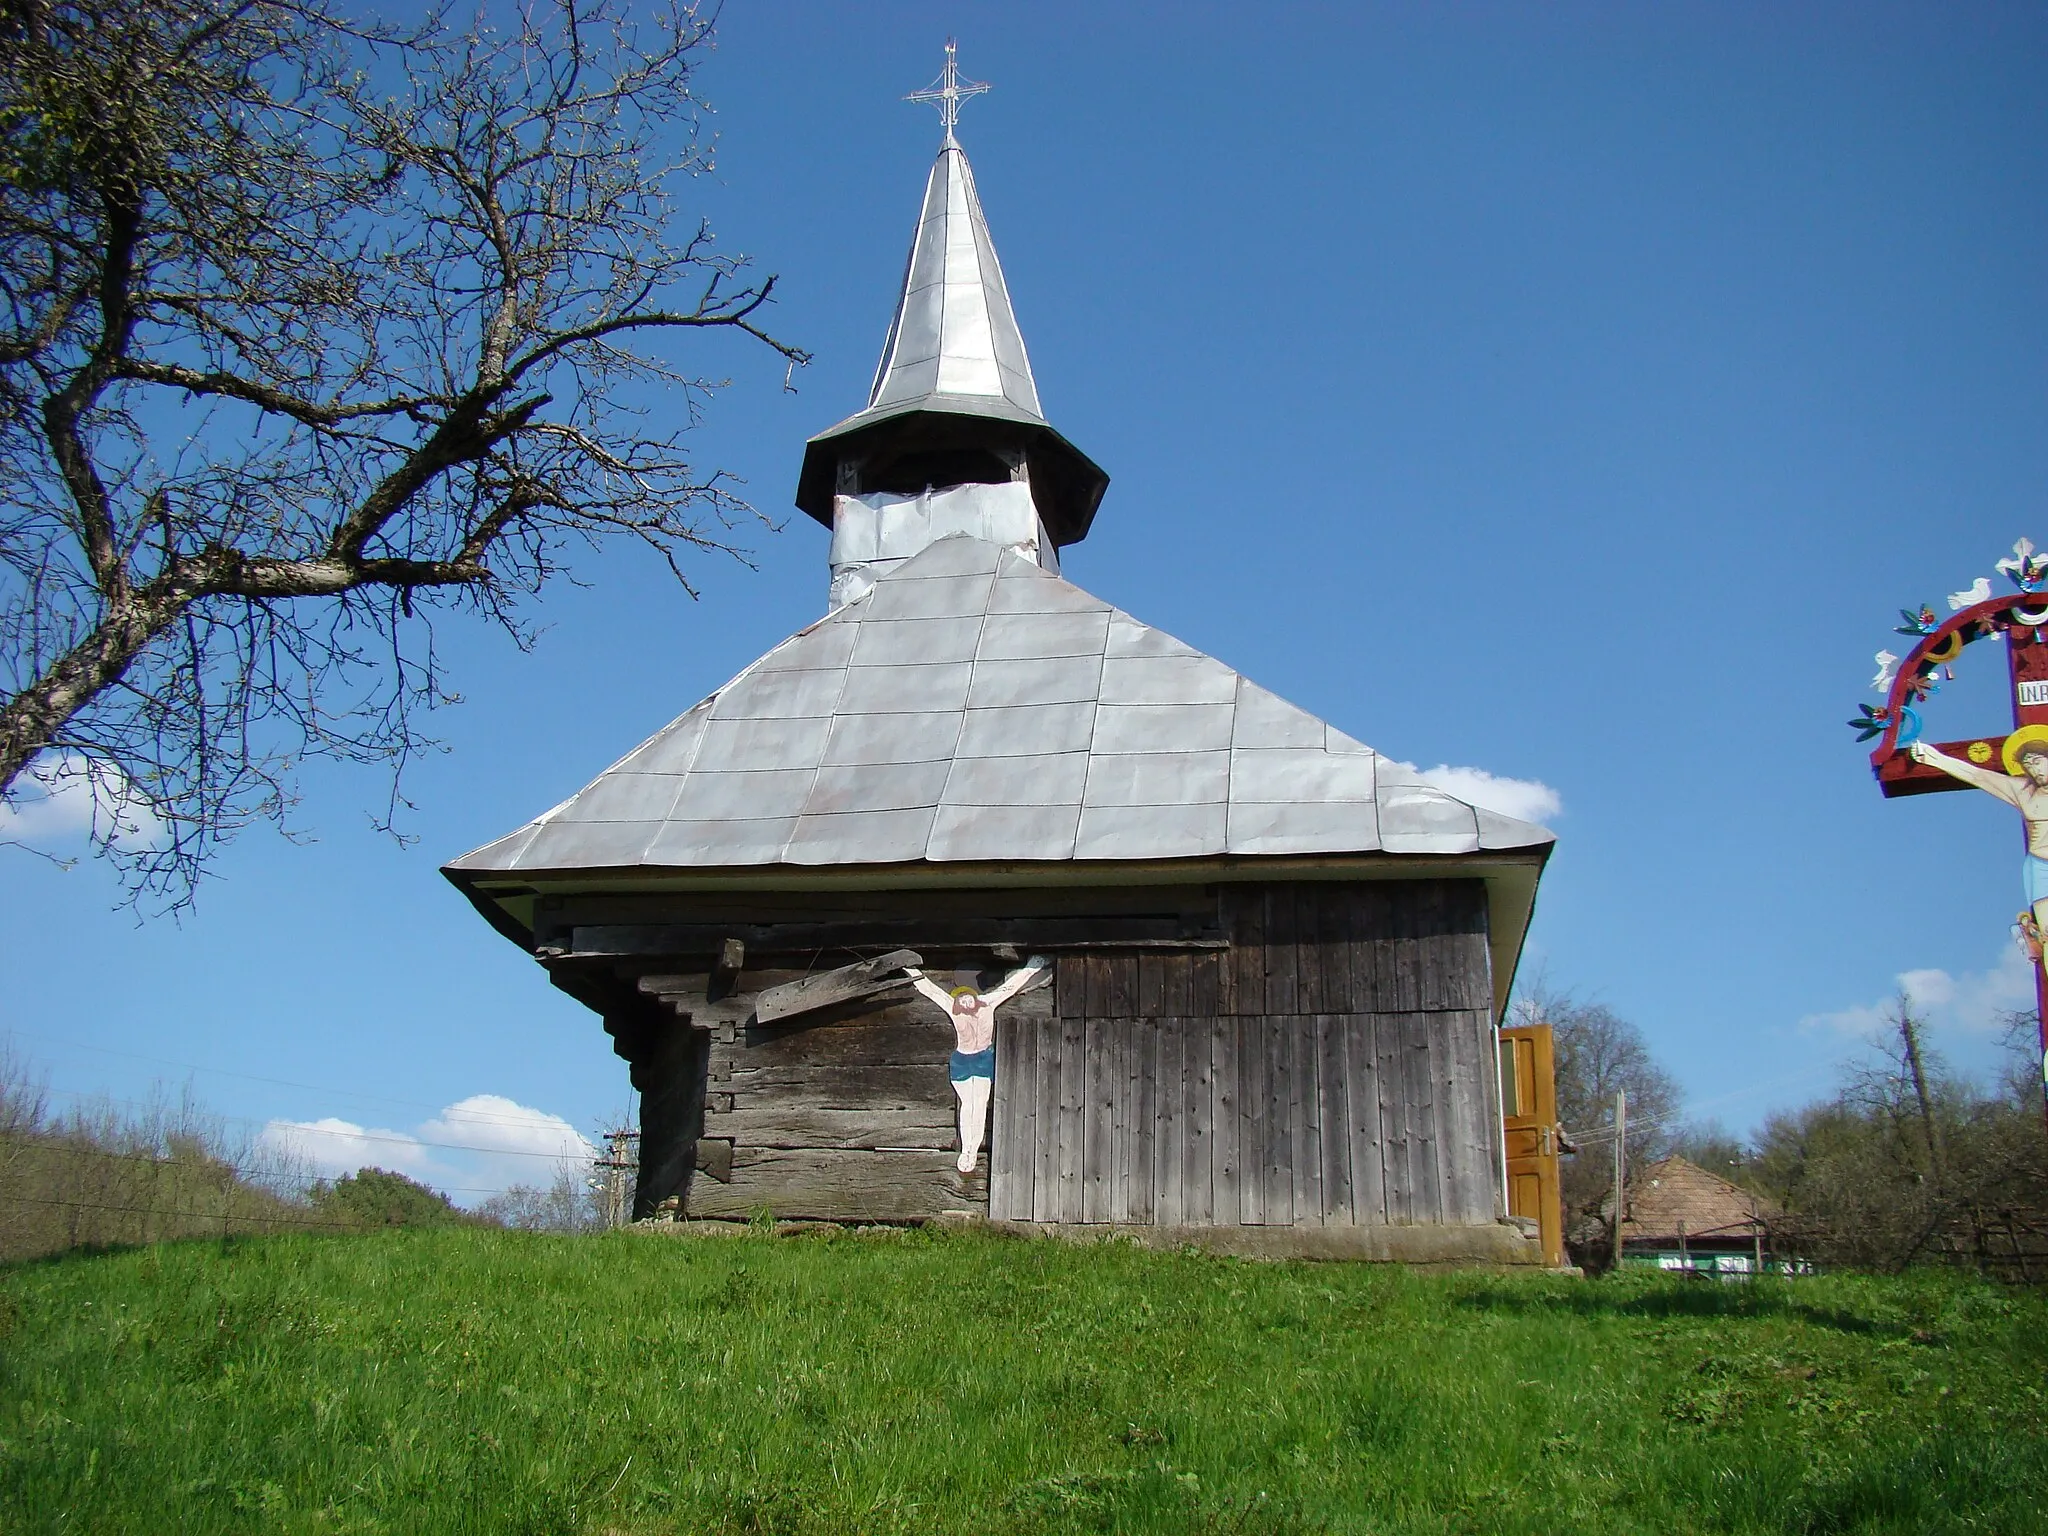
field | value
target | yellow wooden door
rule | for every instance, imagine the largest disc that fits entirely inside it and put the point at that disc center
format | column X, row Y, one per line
column 1528, row 1100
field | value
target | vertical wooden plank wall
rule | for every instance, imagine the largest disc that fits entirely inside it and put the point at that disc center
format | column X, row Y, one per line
column 1331, row 1066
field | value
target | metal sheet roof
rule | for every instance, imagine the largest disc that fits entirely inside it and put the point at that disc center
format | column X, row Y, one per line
column 954, row 332
column 953, row 370
column 975, row 707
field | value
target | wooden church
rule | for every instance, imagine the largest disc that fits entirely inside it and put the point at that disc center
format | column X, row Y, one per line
column 982, row 898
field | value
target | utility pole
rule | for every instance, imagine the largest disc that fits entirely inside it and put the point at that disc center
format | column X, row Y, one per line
column 617, row 1162
column 1620, row 1167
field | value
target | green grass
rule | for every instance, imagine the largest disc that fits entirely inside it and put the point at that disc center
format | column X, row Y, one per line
column 486, row 1381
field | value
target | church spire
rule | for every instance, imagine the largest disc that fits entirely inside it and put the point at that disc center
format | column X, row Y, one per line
column 953, row 400
column 954, row 331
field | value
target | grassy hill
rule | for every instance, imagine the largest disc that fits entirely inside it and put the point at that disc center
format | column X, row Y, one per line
column 470, row 1380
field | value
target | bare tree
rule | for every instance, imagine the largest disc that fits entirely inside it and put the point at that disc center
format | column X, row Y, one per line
column 1599, row 1052
column 308, row 329
column 1909, row 1163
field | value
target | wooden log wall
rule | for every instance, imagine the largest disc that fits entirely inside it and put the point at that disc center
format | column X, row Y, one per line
column 1333, row 1067
column 1285, row 1054
column 851, row 1119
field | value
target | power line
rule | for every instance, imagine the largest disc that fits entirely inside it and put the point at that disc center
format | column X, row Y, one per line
column 276, row 1082
column 244, row 1171
column 220, row 1216
column 321, row 1130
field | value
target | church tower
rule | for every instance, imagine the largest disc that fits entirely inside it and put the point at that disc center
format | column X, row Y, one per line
column 953, row 440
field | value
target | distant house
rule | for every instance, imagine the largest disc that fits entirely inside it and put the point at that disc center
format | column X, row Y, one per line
column 1679, row 1216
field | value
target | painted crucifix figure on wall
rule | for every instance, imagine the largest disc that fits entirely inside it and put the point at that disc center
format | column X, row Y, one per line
column 973, row 1064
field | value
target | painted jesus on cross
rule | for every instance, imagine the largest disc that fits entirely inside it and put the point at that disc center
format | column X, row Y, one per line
column 973, row 1065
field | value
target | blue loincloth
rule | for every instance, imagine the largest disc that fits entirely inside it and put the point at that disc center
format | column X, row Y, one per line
column 966, row 1064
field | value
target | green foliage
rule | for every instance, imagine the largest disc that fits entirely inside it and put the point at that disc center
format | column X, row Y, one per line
column 477, row 1380
column 374, row 1198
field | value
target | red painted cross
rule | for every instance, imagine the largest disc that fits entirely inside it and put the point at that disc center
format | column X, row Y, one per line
column 2023, row 622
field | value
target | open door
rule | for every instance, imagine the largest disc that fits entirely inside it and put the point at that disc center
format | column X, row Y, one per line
column 1528, row 1101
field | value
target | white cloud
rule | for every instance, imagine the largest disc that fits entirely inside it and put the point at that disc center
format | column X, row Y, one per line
column 65, row 796
column 489, row 1120
column 1523, row 799
column 335, row 1146
column 1973, row 1004
column 473, row 1148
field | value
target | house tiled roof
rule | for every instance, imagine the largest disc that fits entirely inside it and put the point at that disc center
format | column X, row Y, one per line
column 1674, row 1195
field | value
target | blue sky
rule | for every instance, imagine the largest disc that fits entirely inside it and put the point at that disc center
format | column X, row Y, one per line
column 1572, row 393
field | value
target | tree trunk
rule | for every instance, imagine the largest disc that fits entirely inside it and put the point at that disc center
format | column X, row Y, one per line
column 31, row 720
column 1909, row 1030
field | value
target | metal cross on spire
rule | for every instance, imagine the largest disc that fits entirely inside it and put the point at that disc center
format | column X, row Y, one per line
column 949, row 90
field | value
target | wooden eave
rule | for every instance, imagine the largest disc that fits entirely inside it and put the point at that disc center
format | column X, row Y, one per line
column 508, row 900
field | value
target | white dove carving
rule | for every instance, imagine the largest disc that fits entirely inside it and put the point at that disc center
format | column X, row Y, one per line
column 1978, row 591
column 1887, row 669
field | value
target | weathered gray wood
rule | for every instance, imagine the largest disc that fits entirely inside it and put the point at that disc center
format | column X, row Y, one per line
column 1335, row 927
column 1144, row 1175
column 1151, row 987
column 1394, row 1136
column 1071, row 986
column 1470, row 1073
column 1420, row 1085
column 736, row 910
column 1199, row 1131
column 1282, row 949
column 1007, row 1123
column 898, row 1037
column 1309, row 904
column 1362, row 1116
column 1280, row 1112
column 1073, row 1110
column 1045, row 1114
column 1248, row 959
column 598, row 941
column 844, row 985
column 931, row 1126
column 1097, row 1155
column 1334, row 1118
column 1308, row 1123
column 1466, row 1186
column 837, row 1186
column 726, row 967
column 837, row 1086
column 714, row 1158
column 1171, row 1122
column 1373, row 952
column 1123, row 1044
column 1097, row 984
column 1225, row 1155
column 1169, row 984
column 1492, row 1130
column 1120, row 990
column 1408, row 954
column 1250, row 1035
column 1204, row 1001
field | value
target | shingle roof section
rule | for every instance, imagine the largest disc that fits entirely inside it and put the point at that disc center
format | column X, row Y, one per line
column 975, row 707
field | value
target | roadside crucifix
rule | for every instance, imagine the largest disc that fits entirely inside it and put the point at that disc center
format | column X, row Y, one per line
column 2012, row 765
